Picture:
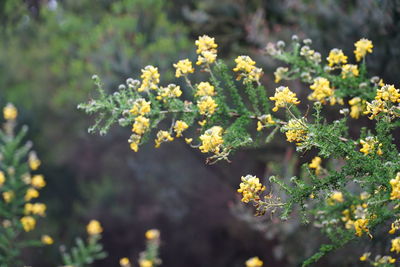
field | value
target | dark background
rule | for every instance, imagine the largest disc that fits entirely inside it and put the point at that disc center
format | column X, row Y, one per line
column 50, row 49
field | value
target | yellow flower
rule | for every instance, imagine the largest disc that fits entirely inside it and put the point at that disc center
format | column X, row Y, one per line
column 283, row 96
column 316, row 164
column 38, row 181
column 183, row 67
column 94, row 228
column 388, row 93
column 394, row 227
column 162, row 137
column 202, row 123
column 171, row 91
column 280, row 73
column 396, row 245
column 361, row 226
column 246, row 66
column 36, row 208
column 10, row 112
column 264, row 121
column 375, row 108
column 296, row 131
column 140, row 107
column 395, row 183
column 179, row 127
column 349, row 70
column 205, row 89
column 140, row 125
column 33, row 161
column 145, row 263
column 28, row 223
column 124, row 262
column 357, row 107
column 47, row 240
column 134, row 141
column 371, row 145
column 212, row 140
column 365, row 256
column 151, row 78
column 152, row 234
column 336, row 196
column 8, row 196
column 188, row 140
column 322, row 90
column 2, row 178
column 206, row 49
column 207, row 105
column 336, row 56
column 250, row 188
column 363, row 47
column 31, row 193
column 254, row 262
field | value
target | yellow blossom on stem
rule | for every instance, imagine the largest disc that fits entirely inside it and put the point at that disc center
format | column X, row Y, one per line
column 394, row 227
column 395, row 183
column 254, row 262
column 280, row 73
column 31, row 193
column 316, row 164
column 212, row 140
column 140, row 125
column 207, row 105
column 363, row 46
column 10, row 112
column 47, row 240
column 205, row 89
column 282, row 97
column 8, row 196
column 246, row 66
column 124, row 262
column 335, row 57
column 151, row 78
column 375, row 108
column 145, row 263
column 134, row 141
column 361, row 226
column 162, row 137
column 388, row 93
column 171, row 91
column 250, row 188
column 365, row 256
column 180, row 127
column 206, row 57
column 36, row 208
column 188, row 140
column 264, row 121
column 183, row 67
column 152, row 234
column 206, row 49
column 33, row 161
column 335, row 197
column 322, row 90
column 140, row 107
column 371, row 145
column 357, row 106
column 296, row 131
column 349, row 70
column 94, row 228
column 38, row 181
column 2, row 178
column 396, row 245
column 28, row 223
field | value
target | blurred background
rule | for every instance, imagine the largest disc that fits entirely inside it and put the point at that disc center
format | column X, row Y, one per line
column 49, row 50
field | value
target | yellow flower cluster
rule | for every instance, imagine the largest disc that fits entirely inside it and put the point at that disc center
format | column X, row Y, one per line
column 395, row 225
column 361, row 226
column 205, row 89
column 371, row 145
column 179, row 127
column 207, row 105
column 357, row 106
column 379, row 260
column 336, row 57
column 349, row 70
column 28, row 223
column 335, row 197
column 250, row 188
column 246, row 66
column 296, row 131
column 363, row 47
column 31, row 193
column 395, row 183
column 150, row 79
column 254, row 262
column 162, row 137
column 134, row 141
column 35, row 208
column 211, row 140
column 316, row 164
column 183, row 67
column 171, row 91
column 140, row 125
column 33, row 161
column 264, row 121
column 282, row 97
column 322, row 90
column 140, row 107
column 375, row 108
column 280, row 73
column 206, row 49
column 388, row 93
column 94, row 228
column 396, row 245
column 10, row 112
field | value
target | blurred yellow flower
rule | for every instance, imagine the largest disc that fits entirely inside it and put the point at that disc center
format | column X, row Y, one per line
column 152, row 234
column 10, row 112
column 94, row 228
